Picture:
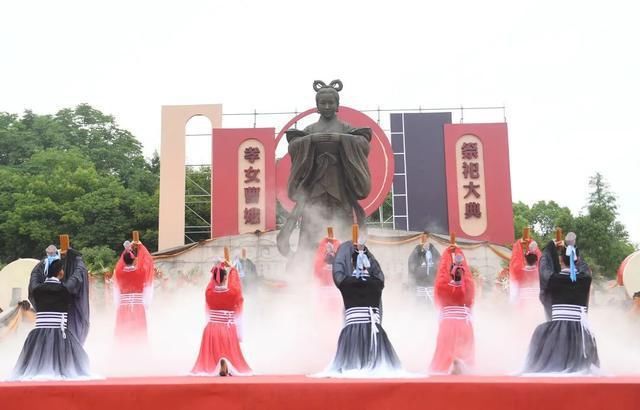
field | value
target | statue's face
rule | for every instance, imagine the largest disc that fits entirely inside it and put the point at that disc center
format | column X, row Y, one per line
column 327, row 105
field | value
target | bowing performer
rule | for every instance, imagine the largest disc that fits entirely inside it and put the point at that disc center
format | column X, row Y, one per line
column 454, row 296
column 76, row 281
column 52, row 351
column 524, row 279
column 133, row 291
column 327, row 294
column 423, row 262
column 220, row 352
column 363, row 346
column 565, row 343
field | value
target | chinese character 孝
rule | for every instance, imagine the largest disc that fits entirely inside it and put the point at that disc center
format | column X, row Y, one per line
column 252, row 154
column 469, row 150
column 252, row 216
column 251, row 175
column 251, row 195
column 472, row 210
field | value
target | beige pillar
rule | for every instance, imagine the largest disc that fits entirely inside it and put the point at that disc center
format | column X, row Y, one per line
column 172, row 171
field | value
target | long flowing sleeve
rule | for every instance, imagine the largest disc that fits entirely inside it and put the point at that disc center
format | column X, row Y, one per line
column 77, row 284
column 36, row 279
column 235, row 288
column 413, row 263
column 516, row 263
column 145, row 262
column 342, row 265
column 76, row 278
column 549, row 264
column 435, row 257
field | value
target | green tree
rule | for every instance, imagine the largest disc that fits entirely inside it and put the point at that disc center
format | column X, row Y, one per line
column 521, row 218
column 602, row 238
column 74, row 172
column 543, row 218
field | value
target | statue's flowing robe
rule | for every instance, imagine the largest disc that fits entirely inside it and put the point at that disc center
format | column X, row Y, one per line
column 330, row 176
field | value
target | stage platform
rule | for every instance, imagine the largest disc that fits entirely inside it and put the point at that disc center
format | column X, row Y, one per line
column 299, row 392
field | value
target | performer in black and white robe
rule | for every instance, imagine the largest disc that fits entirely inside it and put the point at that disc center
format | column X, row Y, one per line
column 564, row 344
column 363, row 346
column 52, row 351
column 423, row 266
column 76, row 281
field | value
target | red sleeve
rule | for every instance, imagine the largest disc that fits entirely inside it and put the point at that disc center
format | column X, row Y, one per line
column 145, row 262
column 516, row 263
column 208, row 294
column 119, row 265
column 319, row 272
column 235, row 287
column 117, row 271
column 441, row 286
column 469, row 286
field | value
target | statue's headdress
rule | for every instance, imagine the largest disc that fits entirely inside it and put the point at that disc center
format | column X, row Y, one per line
column 334, row 88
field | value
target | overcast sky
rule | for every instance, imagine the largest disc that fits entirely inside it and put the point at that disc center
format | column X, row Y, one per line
column 568, row 72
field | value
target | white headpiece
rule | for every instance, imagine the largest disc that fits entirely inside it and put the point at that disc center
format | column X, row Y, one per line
column 570, row 239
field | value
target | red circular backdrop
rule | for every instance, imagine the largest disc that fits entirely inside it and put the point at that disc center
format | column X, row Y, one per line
column 380, row 160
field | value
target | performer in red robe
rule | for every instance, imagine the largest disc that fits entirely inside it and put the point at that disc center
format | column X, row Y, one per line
column 220, row 352
column 454, row 296
column 524, row 279
column 133, row 289
column 326, row 293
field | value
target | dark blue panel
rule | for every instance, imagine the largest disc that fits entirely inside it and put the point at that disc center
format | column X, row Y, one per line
column 426, row 174
column 396, row 142
column 398, row 185
column 401, row 222
column 396, row 122
column 399, row 205
column 398, row 164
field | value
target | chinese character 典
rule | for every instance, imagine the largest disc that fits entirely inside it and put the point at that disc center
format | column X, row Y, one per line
column 471, row 189
column 252, row 216
column 252, row 154
column 469, row 150
column 472, row 210
column 251, row 195
column 251, row 175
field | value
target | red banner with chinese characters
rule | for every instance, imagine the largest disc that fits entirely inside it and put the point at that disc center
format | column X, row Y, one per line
column 243, row 181
column 478, row 181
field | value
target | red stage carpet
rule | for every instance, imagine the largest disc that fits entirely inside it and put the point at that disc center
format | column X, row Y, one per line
column 297, row 392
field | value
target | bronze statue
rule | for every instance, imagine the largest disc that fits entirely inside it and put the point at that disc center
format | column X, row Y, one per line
column 329, row 173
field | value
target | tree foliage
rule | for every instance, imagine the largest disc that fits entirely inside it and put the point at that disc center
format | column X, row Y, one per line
column 602, row 239
column 74, row 172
